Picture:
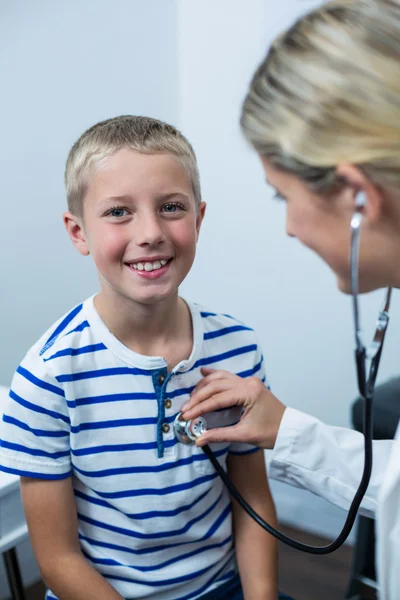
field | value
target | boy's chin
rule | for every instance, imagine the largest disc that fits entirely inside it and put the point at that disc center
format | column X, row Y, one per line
column 154, row 299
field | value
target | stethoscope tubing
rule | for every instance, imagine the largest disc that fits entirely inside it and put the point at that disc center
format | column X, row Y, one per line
column 366, row 388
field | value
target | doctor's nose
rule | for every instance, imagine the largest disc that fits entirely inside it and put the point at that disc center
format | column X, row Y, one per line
column 290, row 222
column 290, row 229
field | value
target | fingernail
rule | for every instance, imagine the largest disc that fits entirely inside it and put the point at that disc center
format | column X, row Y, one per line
column 184, row 407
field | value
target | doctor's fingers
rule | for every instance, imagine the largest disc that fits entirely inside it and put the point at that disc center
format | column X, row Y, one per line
column 216, row 373
column 215, row 396
column 255, row 427
column 211, row 375
column 211, row 388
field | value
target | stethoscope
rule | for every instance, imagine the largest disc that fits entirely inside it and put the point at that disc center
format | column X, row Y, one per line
column 188, row 431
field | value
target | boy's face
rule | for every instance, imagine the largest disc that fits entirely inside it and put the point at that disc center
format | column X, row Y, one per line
column 140, row 224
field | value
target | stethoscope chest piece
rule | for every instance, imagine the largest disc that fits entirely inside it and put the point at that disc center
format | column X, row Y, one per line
column 188, row 431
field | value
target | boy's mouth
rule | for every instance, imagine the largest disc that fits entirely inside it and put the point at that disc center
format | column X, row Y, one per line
column 150, row 268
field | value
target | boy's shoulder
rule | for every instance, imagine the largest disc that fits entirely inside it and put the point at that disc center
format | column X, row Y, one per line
column 67, row 331
column 214, row 323
column 229, row 339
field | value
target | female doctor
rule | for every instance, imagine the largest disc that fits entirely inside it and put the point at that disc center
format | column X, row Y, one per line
column 323, row 114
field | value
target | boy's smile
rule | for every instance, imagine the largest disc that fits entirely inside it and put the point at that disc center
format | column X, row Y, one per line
column 151, row 267
column 140, row 224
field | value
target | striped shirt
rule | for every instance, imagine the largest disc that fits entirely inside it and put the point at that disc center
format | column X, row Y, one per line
column 154, row 517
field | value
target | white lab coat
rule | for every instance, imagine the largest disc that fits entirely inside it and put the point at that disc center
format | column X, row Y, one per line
column 329, row 462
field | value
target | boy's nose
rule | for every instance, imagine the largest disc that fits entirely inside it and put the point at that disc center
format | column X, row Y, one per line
column 149, row 231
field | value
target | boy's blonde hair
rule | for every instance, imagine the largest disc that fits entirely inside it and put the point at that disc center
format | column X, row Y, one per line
column 329, row 92
column 141, row 134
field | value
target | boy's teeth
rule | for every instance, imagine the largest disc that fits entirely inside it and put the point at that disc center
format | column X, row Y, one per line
column 148, row 266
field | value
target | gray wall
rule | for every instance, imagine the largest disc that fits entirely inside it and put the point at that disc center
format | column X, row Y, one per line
column 64, row 66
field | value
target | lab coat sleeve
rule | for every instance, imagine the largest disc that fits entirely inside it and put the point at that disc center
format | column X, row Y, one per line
column 326, row 460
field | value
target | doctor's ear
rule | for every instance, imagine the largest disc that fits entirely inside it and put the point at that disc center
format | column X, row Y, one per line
column 76, row 232
column 365, row 195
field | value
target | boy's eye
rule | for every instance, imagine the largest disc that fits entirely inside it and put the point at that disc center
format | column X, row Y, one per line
column 117, row 212
column 172, row 207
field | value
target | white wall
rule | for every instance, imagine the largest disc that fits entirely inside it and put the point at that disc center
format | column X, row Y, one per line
column 64, row 66
column 245, row 265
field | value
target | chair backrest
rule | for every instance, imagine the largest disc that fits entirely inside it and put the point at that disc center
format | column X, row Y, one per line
column 386, row 410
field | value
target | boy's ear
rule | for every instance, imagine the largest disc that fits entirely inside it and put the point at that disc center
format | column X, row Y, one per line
column 200, row 216
column 74, row 226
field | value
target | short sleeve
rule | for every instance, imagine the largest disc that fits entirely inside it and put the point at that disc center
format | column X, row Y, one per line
column 35, row 426
column 239, row 448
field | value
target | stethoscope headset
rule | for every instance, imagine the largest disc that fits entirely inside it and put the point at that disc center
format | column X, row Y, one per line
column 188, row 431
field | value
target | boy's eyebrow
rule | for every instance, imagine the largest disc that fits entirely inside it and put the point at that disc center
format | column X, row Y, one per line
column 170, row 195
column 121, row 198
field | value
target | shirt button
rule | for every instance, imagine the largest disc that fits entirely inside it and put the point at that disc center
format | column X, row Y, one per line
column 161, row 379
column 166, row 428
column 168, row 403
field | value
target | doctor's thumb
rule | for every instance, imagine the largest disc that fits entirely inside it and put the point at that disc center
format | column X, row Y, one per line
column 221, row 434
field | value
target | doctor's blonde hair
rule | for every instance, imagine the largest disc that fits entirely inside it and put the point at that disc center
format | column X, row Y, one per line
column 328, row 92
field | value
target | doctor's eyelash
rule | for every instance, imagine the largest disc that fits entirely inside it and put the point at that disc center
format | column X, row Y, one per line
column 278, row 196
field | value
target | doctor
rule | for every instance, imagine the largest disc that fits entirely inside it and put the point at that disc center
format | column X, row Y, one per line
column 323, row 114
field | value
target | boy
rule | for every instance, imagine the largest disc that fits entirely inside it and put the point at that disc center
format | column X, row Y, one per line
column 116, row 507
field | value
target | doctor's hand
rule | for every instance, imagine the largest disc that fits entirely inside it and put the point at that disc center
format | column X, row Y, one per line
column 262, row 415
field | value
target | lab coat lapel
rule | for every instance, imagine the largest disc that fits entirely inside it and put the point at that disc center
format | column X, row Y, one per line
column 392, row 477
column 384, row 522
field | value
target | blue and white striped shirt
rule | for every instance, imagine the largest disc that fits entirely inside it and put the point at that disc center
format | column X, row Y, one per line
column 154, row 518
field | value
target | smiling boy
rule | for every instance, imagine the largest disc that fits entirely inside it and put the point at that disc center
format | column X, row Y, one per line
column 116, row 507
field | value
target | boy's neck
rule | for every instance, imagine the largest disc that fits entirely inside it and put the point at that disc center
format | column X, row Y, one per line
column 151, row 330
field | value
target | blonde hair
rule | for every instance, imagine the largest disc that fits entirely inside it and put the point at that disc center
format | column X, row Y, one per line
column 141, row 134
column 328, row 91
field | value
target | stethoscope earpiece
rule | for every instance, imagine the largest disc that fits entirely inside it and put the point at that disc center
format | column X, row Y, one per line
column 361, row 200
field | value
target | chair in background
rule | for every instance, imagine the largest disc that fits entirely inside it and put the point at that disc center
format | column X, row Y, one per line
column 386, row 413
